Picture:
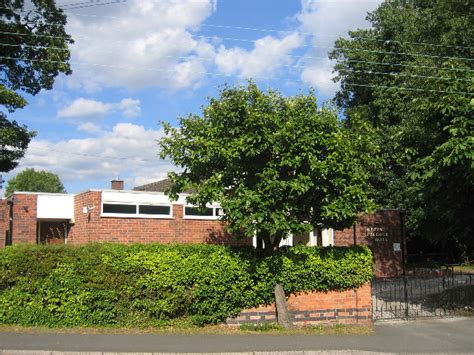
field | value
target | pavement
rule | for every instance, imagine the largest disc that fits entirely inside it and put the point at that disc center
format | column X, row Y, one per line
column 448, row 336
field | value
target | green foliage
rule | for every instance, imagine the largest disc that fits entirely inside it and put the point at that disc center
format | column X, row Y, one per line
column 34, row 181
column 151, row 285
column 277, row 165
column 35, row 50
column 415, row 65
column 14, row 140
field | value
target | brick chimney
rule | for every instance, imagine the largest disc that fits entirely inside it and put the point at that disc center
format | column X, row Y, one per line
column 117, row 184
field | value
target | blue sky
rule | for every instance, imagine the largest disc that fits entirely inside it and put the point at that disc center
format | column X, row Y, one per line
column 138, row 62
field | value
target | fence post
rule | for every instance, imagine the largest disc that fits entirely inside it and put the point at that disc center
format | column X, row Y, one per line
column 405, row 286
column 404, row 244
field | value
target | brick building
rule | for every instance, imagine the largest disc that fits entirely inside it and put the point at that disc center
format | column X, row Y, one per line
column 146, row 215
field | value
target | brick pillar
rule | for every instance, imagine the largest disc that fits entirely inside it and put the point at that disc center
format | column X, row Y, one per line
column 178, row 211
column 87, row 226
column 3, row 221
column 24, row 218
column 381, row 232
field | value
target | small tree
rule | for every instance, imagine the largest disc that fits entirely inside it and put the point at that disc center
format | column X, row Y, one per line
column 277, row 165
column 34, row 181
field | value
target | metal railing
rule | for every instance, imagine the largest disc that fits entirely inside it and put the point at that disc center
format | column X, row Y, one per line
column 423, row 296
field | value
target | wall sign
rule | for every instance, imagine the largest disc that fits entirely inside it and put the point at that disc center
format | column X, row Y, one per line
column 379, row 234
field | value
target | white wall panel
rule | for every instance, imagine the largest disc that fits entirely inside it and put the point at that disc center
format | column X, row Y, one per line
column 55, row 207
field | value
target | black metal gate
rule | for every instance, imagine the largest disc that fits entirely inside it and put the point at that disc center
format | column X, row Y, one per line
column 414, row 297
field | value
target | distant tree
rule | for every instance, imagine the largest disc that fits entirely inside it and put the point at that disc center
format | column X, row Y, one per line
column 411, row 75
column 34, row 181
column 34, row 50
column 277, row 165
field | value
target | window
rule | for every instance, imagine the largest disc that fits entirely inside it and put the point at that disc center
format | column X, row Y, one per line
column 157, row 210
column 193, row 212
column 119, row 208
column 112, row 209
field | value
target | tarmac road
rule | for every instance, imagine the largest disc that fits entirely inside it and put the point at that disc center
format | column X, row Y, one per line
column 454, row 335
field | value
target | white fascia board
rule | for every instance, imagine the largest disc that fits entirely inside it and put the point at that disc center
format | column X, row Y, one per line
column 182, row 201
column 40, row 193
column 145, row 197
column 135, row 198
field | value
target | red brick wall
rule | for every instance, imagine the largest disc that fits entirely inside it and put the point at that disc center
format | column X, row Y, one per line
column 24, row 218
column 3, row 221
column 379, row 231
column 91, row 227
column 348, row 307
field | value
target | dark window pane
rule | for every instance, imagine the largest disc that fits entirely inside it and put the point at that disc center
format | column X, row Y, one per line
column 194, row 211
column 146, row 209
column 113, row 208
column 219, row 212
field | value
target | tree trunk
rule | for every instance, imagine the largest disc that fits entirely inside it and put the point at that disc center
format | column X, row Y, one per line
column 276, row 241
column 283, row 315
column 272, row 243
column 268, row 247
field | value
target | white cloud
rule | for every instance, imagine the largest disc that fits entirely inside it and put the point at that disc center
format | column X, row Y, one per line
column 147, row 43
column 325, row 21
column 129, row 107
column 319, row 75
column 129, row 151
column 141, row 43
column 84, row 108
column 268, row 54
column 89, row 127
column 87, row 108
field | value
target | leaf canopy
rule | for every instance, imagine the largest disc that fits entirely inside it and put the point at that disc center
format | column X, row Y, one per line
column 416, row 68
column 30, row 180
column 34, row 51
column 276, row 164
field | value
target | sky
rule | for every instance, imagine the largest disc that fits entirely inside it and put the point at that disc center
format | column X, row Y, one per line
column 137, row 63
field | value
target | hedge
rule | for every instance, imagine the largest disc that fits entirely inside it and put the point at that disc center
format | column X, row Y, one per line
column 148, row 285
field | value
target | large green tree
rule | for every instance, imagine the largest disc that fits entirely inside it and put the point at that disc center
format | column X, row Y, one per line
column 277, row 165
column 34, row 181
column 411, row 75
column 34, row 50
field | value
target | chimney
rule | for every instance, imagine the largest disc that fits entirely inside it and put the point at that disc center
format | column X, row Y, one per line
column 117, row 184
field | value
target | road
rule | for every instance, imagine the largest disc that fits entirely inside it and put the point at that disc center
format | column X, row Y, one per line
column 454, row 335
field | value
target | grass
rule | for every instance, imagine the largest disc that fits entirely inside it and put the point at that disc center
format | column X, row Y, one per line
column 184, row 327
column 463, row 313
column 465, row 268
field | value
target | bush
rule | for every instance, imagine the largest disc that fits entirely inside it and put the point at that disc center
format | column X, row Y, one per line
column 147, row 285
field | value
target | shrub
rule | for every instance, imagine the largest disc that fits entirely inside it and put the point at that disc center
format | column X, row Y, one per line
column 146, row 285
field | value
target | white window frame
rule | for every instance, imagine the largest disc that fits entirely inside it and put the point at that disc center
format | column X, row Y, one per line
column 136, row 214
column 214, row 217
column 327, row 241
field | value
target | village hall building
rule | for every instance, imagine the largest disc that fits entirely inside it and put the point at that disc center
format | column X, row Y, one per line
column 146, row 215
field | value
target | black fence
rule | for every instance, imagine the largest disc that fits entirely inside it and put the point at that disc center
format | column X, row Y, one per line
column 427, row 296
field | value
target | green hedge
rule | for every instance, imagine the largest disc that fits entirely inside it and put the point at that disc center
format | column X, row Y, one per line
column 143, row 285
